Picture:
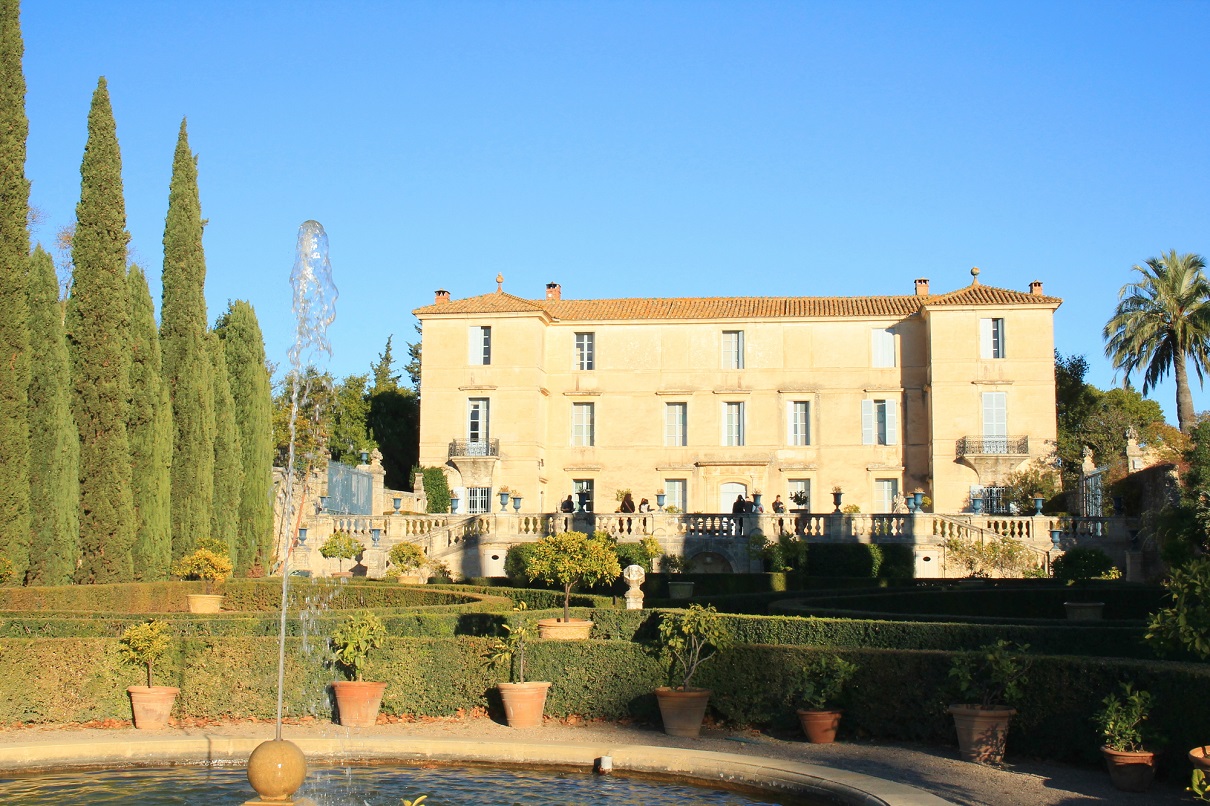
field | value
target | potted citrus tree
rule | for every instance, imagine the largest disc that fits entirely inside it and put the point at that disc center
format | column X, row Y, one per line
column 406, row 560
column 1120, row 721
column 989, row 680
column 569, row 559
column 821, row 686
column 210, row 564
column 143, row 645
column 524, row 701
column 343, row 546
column 688, row 639
column 357, row 700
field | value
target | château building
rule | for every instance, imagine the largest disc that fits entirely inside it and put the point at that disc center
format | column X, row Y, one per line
column 707, row 399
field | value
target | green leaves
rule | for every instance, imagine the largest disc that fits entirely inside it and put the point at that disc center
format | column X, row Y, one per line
column 1186, row 624
column 1121, row 719
column 569, row 558
column 353, row 640
column 689, row 638
column 144, row 644
column 823, row 681
column 994, row 674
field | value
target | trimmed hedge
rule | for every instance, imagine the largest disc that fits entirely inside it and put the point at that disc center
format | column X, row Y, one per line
column 865, row 560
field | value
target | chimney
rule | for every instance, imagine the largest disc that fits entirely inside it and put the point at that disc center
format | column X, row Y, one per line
column 554, row 292
column 1035, row 288
column 443, row 297
column 922, row 287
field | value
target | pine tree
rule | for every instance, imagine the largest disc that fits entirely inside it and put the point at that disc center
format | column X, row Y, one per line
column 394, row 421
column 15, row 524
column 149, row 424
column 98, row 329
column 253, row 395
column 187, row 364
column 228, row 456
column 54, row 476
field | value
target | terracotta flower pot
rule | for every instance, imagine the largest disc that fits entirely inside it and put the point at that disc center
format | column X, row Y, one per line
column 982, row 731
column 558, row 630
column 819, row 726
column 524, row 703
column 204, row 602
column 357, row 702
column 1197, row 757
column 1130, row 772
column 151, row 705
column 682, row 710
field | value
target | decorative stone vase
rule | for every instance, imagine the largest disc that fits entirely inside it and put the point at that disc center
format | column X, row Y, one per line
column 357, row 702
column 836, row 498
column 756, row 499
column 919, row 499
column 582, row 497
column 453, row 505
column 659, row 499
column 977, row 506
column 1038, row 501
column 819, row 726
column 503, row 502
column 682, row 710
column 558, row 630
column 151, row 705
column 205, row 602
column 524, row 703
column 982, row 731
column 516, row 503
column 397, row 503
column 1129, row 772
column 1084, row 611
column 680, row 589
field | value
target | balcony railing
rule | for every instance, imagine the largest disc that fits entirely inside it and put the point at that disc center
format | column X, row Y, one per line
column 474, row 447
column 992, row 446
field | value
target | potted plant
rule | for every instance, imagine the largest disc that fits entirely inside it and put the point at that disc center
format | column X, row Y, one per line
column 567, row 559
column 406, row 560
column 210, row 564
column 688, row 639
column 1120, row 721
column 357, row 700
column 989, row 680
column 524, row 701
column 822, row 684
column 503, row 492
column 837, row 495
column 756, row 495
column 660, row 497
column 516, row 501
column 918, row 498
column 674, row 565
column 801, row 500
column 143, row 645
column 343, row 546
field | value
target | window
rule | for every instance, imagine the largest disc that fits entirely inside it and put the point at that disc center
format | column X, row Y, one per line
column 584, row 486
column 995, row 422
column 879, row 422
column 477, row 417
column 800, row 423
column 478, row 499
column 675, row 489
column 583, row 432
column 733, row 349
column 585, row 351
column 885, row 493
column 798, row 486
column 480, row 344
column 733, row 424
column 882, row 348
column 675, row 424
column 991, row 338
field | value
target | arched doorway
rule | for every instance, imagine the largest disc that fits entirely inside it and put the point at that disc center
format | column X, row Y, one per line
column 727, row 493
column 709, row 562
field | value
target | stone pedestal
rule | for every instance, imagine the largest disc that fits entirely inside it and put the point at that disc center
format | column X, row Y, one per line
column 634, row 576
column 1134, row 566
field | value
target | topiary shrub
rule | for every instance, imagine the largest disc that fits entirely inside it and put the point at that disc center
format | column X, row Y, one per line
column 1081, row 564
column 436, row 489
column 572, row 558
column 341, row 545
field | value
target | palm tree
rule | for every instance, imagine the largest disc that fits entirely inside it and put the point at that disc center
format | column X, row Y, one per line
column 1163, row 320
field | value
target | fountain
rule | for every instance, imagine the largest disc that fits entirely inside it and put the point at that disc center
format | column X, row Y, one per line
column 276, row 768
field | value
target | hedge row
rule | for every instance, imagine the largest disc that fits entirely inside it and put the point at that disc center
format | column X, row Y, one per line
column 897, row 695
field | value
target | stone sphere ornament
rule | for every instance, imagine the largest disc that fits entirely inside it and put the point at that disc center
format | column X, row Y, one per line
column 276, row 770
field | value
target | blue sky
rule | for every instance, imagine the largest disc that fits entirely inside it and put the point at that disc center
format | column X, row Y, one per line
column 642, row 148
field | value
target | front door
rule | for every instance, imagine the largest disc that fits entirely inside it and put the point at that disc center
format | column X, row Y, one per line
column 727, row 494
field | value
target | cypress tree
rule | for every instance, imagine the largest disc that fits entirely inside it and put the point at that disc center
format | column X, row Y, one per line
column 54, row 443
column 228, row 457
column 187, row 364
column 15, row 526
column 253, row 395
column 149, row 423
column 98, row 329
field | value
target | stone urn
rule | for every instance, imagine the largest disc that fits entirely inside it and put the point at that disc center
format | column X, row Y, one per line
column 205, row 602
column 558, row 630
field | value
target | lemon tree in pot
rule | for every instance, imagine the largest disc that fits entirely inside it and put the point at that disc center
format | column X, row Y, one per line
column 343, row 546
column 524, row 701
column 820, row 688
column 406, row 559
column 143, row 645
column 1120, row 721
column 989, row 680
column 688, row 638
column 357, row 700
column 569, row 559
column 210, row 563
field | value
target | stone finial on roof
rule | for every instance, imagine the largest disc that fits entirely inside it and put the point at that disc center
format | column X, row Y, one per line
column 499, row 283
column 974, row 275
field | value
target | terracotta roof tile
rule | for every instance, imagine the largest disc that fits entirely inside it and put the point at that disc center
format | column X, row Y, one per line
column 732, row 307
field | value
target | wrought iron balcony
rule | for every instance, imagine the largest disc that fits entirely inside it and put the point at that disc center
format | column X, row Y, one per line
column 992, row 446
column 477, row 447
